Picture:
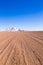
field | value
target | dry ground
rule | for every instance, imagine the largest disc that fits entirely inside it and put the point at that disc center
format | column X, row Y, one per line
column 21, row 48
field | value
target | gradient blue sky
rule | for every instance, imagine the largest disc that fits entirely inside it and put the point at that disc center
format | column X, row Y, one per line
column 24, row 14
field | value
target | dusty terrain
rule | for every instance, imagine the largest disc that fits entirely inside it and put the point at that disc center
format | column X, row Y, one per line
column 21, row 48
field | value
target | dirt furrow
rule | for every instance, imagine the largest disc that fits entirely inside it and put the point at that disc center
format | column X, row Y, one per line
column 21, row 48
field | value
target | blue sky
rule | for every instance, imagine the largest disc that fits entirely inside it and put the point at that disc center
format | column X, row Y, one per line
column 24, row 14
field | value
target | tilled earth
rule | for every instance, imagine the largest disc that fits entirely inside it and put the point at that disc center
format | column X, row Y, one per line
column 21, row 48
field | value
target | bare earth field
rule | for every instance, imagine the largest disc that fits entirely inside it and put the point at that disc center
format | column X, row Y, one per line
column 21, row 48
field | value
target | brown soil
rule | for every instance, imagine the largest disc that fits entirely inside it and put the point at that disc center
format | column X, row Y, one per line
column 21, row 48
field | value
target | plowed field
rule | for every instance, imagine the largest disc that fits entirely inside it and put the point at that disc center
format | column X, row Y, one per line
column 21, row 48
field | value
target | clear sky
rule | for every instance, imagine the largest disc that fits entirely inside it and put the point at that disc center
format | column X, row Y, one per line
column 24, row 14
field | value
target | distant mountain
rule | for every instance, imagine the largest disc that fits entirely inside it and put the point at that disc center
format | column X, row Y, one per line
column 12, row 29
